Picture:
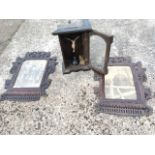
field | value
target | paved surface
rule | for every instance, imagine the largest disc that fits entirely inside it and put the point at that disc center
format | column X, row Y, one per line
column 7, row 29
column 69, row 107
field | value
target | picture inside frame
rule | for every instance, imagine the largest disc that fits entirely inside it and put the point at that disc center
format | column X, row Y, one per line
column 31, row 74
column 119, row 83
column 30, row 77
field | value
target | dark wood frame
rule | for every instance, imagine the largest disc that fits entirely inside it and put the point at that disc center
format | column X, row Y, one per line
column 85, row 31
column 86, row 51
column 73, row 29
column 29, row 94
column 124, row 106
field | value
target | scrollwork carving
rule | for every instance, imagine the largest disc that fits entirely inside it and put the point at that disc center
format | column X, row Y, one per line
column 29, row 94
column 123, row 106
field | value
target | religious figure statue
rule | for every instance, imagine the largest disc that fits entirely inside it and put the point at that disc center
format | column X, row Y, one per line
column 75, row 59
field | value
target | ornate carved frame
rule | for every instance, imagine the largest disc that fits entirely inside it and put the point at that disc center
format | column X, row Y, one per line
column 121, row 106
column 29, row 94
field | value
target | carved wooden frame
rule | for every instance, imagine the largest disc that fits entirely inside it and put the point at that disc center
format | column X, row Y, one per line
column 125, row 106
column 29, row 94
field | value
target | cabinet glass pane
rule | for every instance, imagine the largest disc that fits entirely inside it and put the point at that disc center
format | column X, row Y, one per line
column 97, row 52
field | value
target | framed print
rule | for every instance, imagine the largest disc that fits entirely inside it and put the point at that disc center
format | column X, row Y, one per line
column 121, row 91
column 30, row 77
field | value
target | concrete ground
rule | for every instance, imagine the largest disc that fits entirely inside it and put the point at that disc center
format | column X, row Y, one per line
column 7, row 30
column 69, row 107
